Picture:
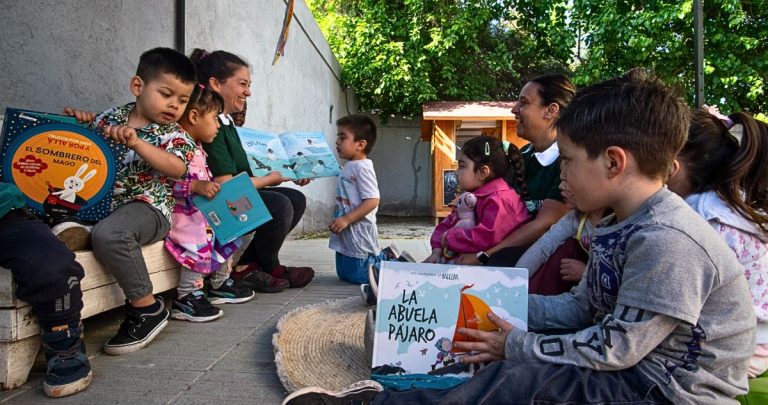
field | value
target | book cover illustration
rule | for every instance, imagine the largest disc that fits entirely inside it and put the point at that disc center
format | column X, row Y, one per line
column 235, row 210
column 62, row 168
column 297, row 155
column 420, row 306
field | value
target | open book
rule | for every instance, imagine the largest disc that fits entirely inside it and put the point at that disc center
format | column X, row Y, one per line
column 62, row 168
column 421, row 305
column 297, row 155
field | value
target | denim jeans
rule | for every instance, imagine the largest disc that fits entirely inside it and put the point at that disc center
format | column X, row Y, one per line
column 354, row 270
column 45, row 271
column 511, row 382
column 286, row 206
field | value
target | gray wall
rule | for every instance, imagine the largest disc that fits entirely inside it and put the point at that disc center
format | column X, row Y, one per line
column 403, row 166
column 83, row 52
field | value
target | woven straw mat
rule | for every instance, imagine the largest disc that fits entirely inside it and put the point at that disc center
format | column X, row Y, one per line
column 322, row 345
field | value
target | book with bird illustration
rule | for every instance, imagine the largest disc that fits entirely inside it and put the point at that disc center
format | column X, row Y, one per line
column 297, row 155
column 420, row 307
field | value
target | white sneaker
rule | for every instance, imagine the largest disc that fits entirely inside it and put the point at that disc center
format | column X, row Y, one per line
column 361, row 392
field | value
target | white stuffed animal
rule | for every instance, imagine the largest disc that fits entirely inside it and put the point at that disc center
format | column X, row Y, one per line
column 465, row 209
column 74, row 184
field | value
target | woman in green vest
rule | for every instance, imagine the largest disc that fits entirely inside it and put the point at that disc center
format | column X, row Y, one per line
column 541, row 101
column 259, row 267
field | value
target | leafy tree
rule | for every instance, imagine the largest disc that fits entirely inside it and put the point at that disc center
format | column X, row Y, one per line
column 397, row 54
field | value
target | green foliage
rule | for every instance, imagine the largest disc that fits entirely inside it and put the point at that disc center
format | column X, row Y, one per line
column 398, row 54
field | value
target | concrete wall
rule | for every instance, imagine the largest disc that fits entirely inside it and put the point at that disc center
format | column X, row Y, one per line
column 403, row 166
column 83, row 53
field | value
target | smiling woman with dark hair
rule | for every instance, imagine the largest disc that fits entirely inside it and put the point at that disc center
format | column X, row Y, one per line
column 259, row 267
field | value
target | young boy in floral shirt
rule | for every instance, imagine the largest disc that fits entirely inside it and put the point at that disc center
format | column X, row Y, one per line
column 160, row 151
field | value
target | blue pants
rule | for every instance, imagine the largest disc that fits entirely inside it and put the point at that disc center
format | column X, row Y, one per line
column 46, row 273
column 354, row 270
column 511, row 382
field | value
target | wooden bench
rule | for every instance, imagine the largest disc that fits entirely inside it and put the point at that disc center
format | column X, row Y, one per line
column 19, row 333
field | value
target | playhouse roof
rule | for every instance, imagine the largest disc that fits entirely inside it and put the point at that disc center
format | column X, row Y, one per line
column 468, row 110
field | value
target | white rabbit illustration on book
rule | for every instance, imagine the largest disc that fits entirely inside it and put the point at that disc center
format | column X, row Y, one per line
column 74, row 184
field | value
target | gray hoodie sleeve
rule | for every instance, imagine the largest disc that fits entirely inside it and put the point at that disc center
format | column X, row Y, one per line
column 540, row 251
column 621, row 340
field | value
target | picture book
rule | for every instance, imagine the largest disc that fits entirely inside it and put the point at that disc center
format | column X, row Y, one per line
column 235, row 210
column 63, row 168
column 297, row 155
column 420, row 306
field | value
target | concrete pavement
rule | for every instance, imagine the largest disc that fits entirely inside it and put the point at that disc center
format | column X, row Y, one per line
column 227, row 361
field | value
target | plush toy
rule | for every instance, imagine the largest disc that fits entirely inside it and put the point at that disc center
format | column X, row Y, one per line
column 465, row 210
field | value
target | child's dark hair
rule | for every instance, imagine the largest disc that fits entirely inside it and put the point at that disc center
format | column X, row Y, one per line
column 158, row 61
column 217, row 64
column 362, row 126
column 636, row 112
column 489, row 151
column 205, row 100
column 555, row 88
column 736, row 168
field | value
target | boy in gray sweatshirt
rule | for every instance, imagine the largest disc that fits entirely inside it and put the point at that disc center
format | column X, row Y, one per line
column 663, row 312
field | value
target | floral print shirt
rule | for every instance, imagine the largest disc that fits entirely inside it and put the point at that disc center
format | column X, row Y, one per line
column 136, row 180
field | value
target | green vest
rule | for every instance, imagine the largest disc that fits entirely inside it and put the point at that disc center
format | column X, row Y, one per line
column 226, row 154
column 542, row 182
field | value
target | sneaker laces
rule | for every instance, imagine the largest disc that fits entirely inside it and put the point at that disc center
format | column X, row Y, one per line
column 65, row 356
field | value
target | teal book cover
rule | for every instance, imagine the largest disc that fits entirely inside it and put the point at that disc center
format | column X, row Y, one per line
column 297, row 155
column 235, row 210
column 63, row 168
column 419, row 308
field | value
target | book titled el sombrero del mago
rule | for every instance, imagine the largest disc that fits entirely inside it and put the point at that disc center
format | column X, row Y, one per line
column 63, row 168
column 420, row 307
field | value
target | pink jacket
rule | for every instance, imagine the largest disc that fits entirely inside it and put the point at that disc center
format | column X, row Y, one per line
column 499, row 211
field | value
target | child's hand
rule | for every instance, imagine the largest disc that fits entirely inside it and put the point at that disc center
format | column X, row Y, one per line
column 489, row 346
column 434, row 257
column 122, row 134
column 302, row 182
column 208, row 189
column 275, row 178
column 80, row 115
column 572, row 269
column 339, row 224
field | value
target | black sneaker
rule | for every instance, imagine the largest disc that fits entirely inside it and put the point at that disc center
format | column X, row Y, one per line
column 68, row 371
column 228, row 293
column 359, row 393
column 366, row 292
column 373, row 279
column 262, row 282
column 194, row 307
column 137, row 330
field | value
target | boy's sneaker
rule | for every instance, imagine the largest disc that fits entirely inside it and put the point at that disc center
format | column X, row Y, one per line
column 359, row 393
column 68, row 370
column 366, row 292
column 229, row 293
column 392, row 254
column 194, row 307
column 74, row 234
column 260, row 281
column 373, row 279
column 297, row 277
column 137, row 330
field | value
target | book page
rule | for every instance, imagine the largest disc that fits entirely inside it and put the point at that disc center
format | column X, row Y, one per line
column 265, row 153
column 310, row 155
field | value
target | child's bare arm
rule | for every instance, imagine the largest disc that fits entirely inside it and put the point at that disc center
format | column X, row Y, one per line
column 342, row 222
column 160, row 160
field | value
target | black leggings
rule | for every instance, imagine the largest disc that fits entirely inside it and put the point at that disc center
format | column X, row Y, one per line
column 286, row 206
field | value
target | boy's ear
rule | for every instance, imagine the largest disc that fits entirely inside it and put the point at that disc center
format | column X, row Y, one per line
column 674, row 169
column 136, row 85
column 361, row 144
column 616, row 160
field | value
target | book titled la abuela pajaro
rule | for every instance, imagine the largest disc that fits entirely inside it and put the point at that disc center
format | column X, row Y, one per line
column 419, row 308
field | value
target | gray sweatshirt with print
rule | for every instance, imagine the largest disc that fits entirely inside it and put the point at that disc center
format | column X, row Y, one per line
column 662, row 291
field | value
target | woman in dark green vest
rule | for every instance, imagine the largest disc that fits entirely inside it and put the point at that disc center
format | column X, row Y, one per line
column 541, row 101
column 259, row 267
